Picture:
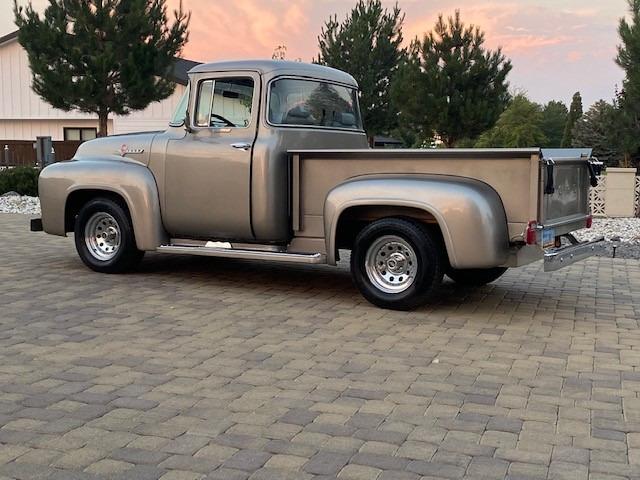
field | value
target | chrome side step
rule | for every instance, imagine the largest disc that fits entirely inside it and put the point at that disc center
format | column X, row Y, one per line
column 313, row 258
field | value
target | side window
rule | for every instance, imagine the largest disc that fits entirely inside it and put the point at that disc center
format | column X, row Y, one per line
column 224, row 103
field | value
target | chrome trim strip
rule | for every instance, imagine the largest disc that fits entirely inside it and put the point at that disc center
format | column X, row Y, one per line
column 557, row 258
column 314, row 258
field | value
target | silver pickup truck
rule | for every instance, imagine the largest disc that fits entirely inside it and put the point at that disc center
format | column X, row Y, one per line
column 268, row 160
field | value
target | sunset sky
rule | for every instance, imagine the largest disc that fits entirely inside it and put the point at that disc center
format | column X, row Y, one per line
column 556, row 46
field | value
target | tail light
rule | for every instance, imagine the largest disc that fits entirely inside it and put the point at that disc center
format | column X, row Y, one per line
column 589, row 221
column 531, row 234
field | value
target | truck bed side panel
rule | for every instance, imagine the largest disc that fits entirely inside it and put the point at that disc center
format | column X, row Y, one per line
column 513, row 174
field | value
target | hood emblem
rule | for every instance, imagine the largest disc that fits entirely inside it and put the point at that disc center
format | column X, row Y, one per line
column 124, row 149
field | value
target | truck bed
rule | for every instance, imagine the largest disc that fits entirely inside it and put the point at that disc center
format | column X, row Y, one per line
column 513, row 173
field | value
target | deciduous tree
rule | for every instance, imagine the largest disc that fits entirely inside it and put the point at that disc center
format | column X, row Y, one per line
column 519, row 126
column 554, row 119
column 102, row 56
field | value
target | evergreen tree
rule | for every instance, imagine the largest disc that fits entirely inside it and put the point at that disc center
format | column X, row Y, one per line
column 408, row 100
column 575, row 112
column 629, row 99
column 367, row 44
column 519, row 126
column 597, row 129
column 554, row 119
column 102, row 56
column 456, row 86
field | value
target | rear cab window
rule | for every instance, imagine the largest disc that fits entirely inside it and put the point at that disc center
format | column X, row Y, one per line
column 313, row 103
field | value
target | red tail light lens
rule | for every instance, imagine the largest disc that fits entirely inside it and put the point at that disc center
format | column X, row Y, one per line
column 589, row 221
column 531, row 235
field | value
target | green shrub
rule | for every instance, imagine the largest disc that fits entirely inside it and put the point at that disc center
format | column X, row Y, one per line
column 23, row 180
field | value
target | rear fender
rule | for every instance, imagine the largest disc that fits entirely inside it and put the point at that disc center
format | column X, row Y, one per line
column 469, row 213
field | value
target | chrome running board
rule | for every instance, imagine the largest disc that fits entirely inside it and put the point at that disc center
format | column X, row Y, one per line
column 312, row 258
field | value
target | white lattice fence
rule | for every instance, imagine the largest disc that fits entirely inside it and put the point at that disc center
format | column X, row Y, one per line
column 597, row 196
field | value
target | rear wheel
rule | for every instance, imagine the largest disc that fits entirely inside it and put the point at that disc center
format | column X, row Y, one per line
column 475, row 277
column 104, row 237
column 396, row 264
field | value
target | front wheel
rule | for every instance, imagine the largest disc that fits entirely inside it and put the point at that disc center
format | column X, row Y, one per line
column 475, row 277
column 104, row 237
column 396, row 264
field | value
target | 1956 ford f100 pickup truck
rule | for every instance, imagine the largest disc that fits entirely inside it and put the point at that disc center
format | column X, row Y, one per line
column 268, row 160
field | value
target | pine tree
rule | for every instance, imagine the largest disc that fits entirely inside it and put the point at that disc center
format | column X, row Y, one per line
column 575, row 112
column 629, row 98
column 597, row 129
column 367, row 44
column 102, row 56
column 462, row 88
column 554, row 119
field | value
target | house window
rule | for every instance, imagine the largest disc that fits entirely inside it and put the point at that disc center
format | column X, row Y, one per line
column 76, row 134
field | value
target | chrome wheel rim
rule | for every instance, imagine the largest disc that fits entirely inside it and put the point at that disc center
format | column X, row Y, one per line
column 391, row 264
column 102, row 236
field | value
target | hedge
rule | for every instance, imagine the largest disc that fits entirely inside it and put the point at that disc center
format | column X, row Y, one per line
column 23, row 180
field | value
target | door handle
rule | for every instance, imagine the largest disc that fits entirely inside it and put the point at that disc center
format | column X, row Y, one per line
column 242, row 146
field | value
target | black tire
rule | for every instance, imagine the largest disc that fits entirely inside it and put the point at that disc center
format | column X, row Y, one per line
column 125, row 256
column 475, row 277
column 426, row 274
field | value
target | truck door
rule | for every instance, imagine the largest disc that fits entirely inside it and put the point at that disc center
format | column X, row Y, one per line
column 207, row 172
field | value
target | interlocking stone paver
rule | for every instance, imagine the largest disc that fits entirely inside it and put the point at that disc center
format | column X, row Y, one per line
column 200, row 367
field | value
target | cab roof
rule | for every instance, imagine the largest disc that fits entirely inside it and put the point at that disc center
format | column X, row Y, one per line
column 275, row 68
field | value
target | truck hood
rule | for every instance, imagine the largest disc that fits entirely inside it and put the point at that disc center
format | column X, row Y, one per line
column 133, row 146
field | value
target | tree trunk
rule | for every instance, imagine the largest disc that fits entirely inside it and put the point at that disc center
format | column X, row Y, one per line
column 103, row 122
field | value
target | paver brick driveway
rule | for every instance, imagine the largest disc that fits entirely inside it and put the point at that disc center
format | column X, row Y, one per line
column 214, row 368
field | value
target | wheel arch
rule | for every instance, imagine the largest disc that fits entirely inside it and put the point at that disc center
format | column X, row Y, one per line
column 468, row 215
column 66, row 186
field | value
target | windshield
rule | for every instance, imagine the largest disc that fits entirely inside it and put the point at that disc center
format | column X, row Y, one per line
column 177, row 119
column 313, row 103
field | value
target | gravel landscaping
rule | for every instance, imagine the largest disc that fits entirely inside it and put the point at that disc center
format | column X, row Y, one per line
column 622, row 234
column 11, row 202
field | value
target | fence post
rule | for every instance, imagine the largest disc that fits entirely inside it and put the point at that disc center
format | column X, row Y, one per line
column 620, row 194
column 6, row 155
column 44, row 148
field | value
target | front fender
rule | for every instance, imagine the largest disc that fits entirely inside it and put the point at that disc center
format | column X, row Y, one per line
column 470, row 213
column 133, row 181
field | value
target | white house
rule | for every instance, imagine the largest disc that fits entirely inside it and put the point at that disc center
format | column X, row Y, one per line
column 24, row 115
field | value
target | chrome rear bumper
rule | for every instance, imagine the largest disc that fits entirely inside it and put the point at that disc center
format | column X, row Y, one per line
column 557, row 258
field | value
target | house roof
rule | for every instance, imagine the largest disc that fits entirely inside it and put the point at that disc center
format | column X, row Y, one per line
column 180, row 69
column 8, row 37
column 178, row 74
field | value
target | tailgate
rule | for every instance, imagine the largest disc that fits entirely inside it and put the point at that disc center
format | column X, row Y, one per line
column 564, row 195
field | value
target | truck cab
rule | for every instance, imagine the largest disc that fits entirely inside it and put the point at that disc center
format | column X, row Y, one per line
column 268, row 160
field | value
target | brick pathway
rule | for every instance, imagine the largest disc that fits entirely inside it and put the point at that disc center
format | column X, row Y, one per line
column 209, row 368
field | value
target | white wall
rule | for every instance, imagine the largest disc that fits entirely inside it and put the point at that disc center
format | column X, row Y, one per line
column 17, row 100
column 23, row 115
column 30, row 129
column 155, row 117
